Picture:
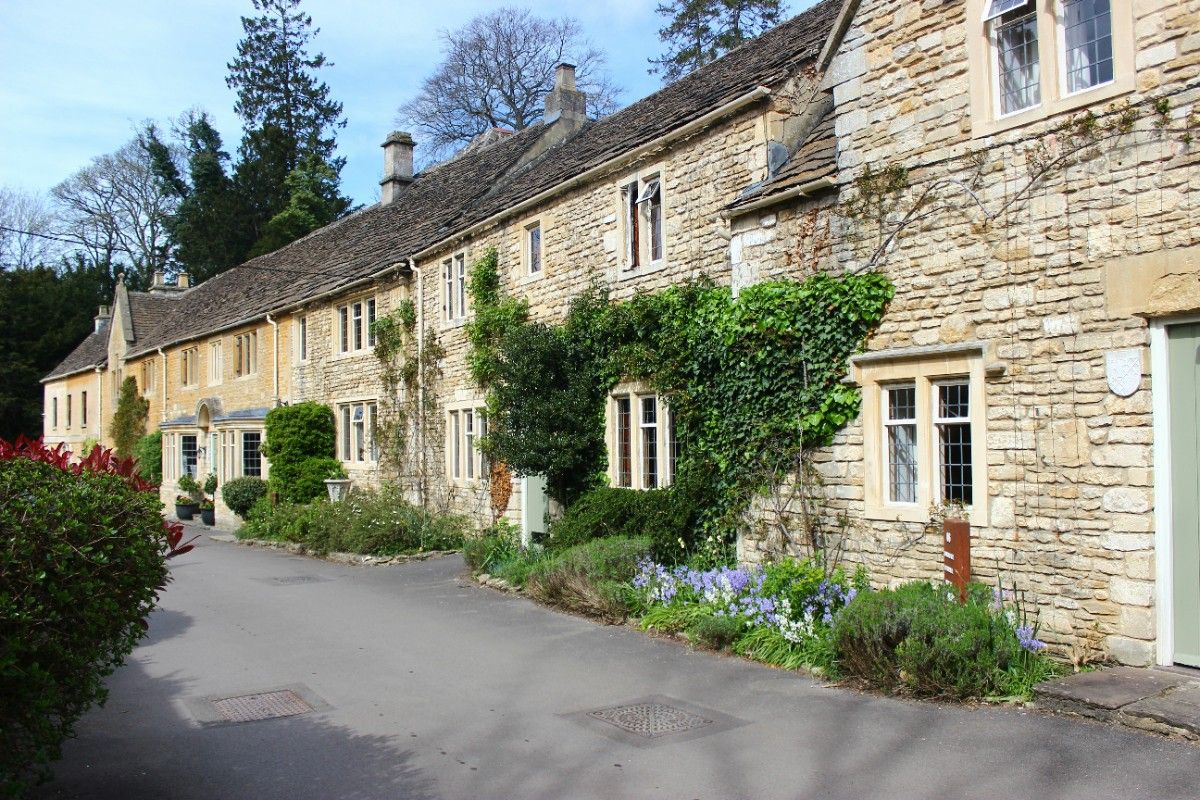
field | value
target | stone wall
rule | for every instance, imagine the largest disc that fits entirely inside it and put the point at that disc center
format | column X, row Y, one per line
column 1068, row 495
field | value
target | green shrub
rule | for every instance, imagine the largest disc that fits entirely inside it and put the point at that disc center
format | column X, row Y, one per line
column 591, row 578
column 917, row 638
column 148, row 452
column 674, row 617
column 301, row 441
column 370, row 522
column 715, row 631
column 240, row 494
column 129, row 419
column 188, row 485
column 80, row 570
column 665, row 516
column 500, row 543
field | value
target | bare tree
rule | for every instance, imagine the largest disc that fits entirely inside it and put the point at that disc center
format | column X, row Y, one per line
column 26, row 229
column 115, row 211
column 496, row 73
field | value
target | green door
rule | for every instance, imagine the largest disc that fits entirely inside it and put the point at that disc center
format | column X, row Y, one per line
column 1184, row 347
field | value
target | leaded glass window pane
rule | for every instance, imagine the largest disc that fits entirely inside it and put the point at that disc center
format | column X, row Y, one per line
column 901, row 428
column 1087, row 34
column 1019, row 71
column 954, row 443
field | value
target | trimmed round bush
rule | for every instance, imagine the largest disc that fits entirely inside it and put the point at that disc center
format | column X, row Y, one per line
column 240, row 494
column 82, row 563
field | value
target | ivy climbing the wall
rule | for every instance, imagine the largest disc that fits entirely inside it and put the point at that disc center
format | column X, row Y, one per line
column 751, row 380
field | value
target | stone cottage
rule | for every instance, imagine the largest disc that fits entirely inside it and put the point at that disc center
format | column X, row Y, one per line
column 1021, row 171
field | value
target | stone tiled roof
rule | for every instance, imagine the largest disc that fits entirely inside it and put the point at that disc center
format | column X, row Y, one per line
column 92, row 352
column 457, row 194
column 815, row 158
column 149, row 312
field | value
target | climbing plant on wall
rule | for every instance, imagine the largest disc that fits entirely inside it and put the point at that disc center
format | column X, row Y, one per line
column 409, row 423
column 751, row 380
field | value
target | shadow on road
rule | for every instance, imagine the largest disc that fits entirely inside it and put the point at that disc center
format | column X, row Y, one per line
column 144, row 744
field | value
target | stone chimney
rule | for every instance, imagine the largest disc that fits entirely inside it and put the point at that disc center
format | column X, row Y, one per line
column 183, row 281
column 102, row 318
column 397, row 165
column 565, row 103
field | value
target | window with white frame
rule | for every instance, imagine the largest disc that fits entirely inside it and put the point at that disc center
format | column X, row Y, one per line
column 643, row 443
column 533, row 249
column 169, row 457
column 642, row 220
column 252, row 454
column 454, row 288
column 1051, row 55
column 188, row 452
column 189, row 366
column 302, row 338
column 923, row 425
column 246, row 353
column 355, row 323
column 357, row 423
column 464, row 458
column 216, row 363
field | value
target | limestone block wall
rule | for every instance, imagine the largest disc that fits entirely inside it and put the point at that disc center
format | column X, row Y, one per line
column 1034, row 276
column 79, row 426
column 582, row 240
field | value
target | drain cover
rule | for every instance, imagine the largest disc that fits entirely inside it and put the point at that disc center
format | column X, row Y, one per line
column 651, row 720
column 265, row 705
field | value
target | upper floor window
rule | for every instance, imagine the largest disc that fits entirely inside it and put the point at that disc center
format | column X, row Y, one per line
column 355, row 325
column 302, row 339
column 1034, row 58
column 148, row 376
column 454, row 288
column 68, row 411
column 245, row 348
column 533, row 248
column 53, row 413
column 189, row 366
column 643, row 441
column 83, row 408
column 216, row 362
column 642, row 212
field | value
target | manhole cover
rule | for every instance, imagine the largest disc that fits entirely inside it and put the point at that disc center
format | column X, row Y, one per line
column 264, row 705
column 651, row 720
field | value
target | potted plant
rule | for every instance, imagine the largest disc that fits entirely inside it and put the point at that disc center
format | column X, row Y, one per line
column 337, row 484
column 208, row 512
column 186, row 505
column 208, row 499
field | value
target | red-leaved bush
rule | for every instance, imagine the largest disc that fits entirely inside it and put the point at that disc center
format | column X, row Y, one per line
column 83, row 550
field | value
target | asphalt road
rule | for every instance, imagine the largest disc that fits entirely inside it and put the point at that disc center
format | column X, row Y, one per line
column 428, row 686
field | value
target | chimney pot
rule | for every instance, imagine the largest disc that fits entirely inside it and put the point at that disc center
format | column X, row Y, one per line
column 564, row 76
column 565, row 103
column 102, row 318
column 159, row 278
column 397, row 165
column 183, row 281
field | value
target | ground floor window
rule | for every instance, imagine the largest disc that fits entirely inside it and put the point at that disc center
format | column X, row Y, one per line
column 643, row 445
column 356, row 432
column 923, row 434
column 188, row 452
column 464, row 429
column 251, row 454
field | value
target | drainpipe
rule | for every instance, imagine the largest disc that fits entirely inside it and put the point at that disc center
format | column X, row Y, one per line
column 275, row 358
column 420, row 431
column 99, row 406
column 163, row 413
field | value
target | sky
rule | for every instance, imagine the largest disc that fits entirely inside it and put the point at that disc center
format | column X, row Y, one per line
column 77, row 77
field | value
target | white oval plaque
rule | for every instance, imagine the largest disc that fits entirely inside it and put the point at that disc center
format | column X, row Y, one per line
column 1124, row 370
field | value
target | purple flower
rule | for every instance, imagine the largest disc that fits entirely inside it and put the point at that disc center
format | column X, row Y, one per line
column 1025, row 636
